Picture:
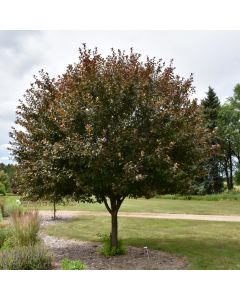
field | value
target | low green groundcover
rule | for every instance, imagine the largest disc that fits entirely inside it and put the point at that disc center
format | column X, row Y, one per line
column 67, row 264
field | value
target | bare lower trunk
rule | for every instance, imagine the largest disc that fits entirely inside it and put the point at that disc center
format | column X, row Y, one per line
column 226, row 174
column 230, row 167
column 54, row 210
column 114, row 233
column 113, row 210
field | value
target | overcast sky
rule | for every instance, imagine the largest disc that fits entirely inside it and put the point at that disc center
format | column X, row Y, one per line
column 212, row 56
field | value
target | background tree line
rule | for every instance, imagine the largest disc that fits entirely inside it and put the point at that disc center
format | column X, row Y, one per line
column 7, row 178
column 223, row 121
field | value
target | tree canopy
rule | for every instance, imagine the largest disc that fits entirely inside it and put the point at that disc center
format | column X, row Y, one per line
column 109, row 128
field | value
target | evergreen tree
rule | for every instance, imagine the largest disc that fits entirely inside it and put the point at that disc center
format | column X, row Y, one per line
column 213, row 182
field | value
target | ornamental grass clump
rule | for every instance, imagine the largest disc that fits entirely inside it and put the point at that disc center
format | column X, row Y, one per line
column 25, row 258
column 25, row 227
column 2, row 208
column 3, row 234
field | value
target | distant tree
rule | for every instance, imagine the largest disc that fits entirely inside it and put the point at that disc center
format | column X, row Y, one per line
column 235, row 99
column 10, row 170
column 237, row 175
column 212, row 182
column 107, row 129
column 226, row 120
column 4, row 179
column 2, row 189
column 234, row 123
column 211, row 106
column 229, row 131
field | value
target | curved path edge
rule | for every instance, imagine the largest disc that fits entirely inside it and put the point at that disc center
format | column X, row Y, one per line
column 70, row 214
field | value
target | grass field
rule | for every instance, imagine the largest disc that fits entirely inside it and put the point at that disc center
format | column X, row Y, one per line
column 223, row 204
column 205, row 245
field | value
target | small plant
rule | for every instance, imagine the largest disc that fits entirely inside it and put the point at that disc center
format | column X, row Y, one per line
column 107, row 249
column 67, row 264
column 25, row 227
column 25, row 258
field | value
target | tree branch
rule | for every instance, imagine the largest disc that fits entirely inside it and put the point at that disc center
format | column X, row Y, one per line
column 107, row 206
column 119, row 203
column 236, row 154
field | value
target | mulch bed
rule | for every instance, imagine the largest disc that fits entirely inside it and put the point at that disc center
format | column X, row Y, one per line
column 87, row 252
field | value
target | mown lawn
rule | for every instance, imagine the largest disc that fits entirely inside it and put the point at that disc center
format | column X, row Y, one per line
column 161, row 205
column 222, row 204
column 205, row 245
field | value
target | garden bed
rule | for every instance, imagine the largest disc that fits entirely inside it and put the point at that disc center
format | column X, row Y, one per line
column 88, row 252
column 134, row 259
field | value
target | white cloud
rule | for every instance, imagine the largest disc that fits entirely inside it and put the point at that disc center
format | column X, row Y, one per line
column 4, row 158
column 4, row 146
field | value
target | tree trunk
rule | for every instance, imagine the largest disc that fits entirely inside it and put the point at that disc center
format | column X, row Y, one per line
column 114, row 232
column 113, row 210
column 54, row 210
column 226, row 173
column 230, row 166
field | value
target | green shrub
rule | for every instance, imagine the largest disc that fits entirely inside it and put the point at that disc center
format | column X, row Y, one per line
column 67, row 264
column 2, row 189
column 237, row 177
column 107, row 249
column 11, row 207
column 25, row 258
column 25, row 227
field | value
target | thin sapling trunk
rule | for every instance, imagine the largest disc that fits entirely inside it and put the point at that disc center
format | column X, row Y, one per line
column 113, row 210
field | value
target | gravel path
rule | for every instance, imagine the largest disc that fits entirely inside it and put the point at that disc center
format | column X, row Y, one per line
column 71, row 214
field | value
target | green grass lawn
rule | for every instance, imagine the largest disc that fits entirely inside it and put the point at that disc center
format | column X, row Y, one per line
column 161, row 205
column 222, row 204
column 205, row 245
